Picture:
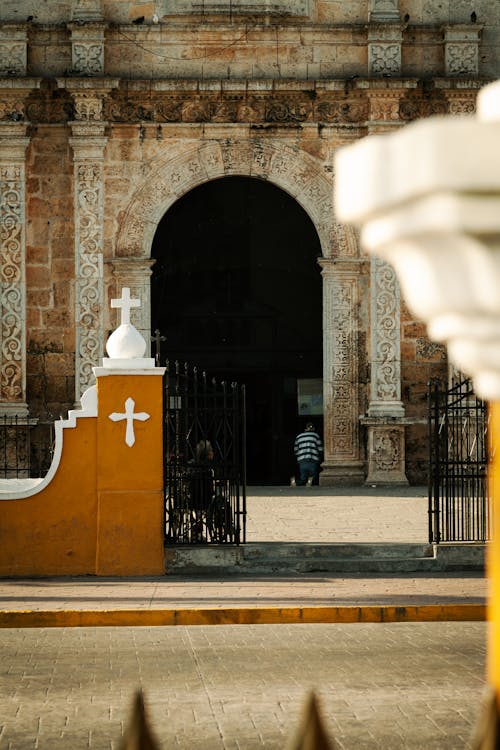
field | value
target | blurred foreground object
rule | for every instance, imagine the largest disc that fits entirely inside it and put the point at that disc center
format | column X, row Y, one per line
column 427, row 199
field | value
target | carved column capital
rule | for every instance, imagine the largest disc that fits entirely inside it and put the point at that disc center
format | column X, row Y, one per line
column 384, row 109
column 88, row 95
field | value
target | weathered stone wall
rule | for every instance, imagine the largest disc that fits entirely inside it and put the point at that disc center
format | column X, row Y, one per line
column 120, row 119
column 50, row 269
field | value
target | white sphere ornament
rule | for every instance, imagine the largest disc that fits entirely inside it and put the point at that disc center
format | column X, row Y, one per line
column 126, row 343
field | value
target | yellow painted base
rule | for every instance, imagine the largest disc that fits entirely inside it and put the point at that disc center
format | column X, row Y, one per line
column 243, row 616
column 103, row 512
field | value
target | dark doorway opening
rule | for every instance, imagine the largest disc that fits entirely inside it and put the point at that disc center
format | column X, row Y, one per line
column 236, row 291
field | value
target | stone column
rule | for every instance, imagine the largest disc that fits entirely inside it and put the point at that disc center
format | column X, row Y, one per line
column 13, row 143
column 385, row 419
column 342, row 462
column 88, row 141
column 135, row 273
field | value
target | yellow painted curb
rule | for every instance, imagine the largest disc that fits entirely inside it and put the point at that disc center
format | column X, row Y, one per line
column 241, row 616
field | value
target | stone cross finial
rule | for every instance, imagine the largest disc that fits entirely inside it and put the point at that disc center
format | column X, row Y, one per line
column 158, row 338
column 125, row 303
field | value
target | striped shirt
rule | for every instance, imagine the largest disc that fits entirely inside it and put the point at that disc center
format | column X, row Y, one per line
column 308, row 446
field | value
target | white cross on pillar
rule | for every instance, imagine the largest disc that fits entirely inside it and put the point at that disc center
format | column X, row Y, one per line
column 129, row 416
column 125, row 303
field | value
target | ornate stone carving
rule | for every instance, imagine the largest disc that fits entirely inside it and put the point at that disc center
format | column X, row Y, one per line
column 461, row 42
column 12, row 58
column 385, row 396
column 88, row 59
column 12, row 280
column 286, row 166
column 384, row 58
column 461, row 59
column 87, row 44
column 384, row 106
column 88, row 107
column 340, row 351
column 89, row 271
column 13, row 45
column 462, row 105
column 386, row 455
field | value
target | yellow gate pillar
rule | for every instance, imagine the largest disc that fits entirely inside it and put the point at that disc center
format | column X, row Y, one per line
column 130, row 494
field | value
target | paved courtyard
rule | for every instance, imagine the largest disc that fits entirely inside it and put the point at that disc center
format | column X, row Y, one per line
column 380, row 686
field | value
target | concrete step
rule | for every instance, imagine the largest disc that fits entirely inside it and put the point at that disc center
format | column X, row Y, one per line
column 286, row 558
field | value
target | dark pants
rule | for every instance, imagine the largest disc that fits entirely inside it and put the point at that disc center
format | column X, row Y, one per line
column 308, row 469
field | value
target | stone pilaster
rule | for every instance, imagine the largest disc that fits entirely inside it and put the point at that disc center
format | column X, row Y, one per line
column 13, row 144
column 461, row 49
column 88, row 141
column 135, row 273
column 385, row 337
column 385, row 419
column 342, row 463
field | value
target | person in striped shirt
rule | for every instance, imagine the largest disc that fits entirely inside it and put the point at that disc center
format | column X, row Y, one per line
column 308, row 450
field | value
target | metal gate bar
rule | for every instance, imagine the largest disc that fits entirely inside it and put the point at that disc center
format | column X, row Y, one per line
column 204, row 458
column 459, row 506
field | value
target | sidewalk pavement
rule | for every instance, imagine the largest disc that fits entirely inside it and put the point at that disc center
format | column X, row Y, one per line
column 315, row 514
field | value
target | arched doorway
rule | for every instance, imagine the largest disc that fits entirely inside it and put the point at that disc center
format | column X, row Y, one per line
column 236, row 290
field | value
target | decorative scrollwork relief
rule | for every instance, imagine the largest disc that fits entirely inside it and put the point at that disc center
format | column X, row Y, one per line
column 384, row 58
column 89, row 271
column 385, row 333
column 12, row 58
column 88, row 58
column 387, row 450
column 11, row 281
column 462, row 59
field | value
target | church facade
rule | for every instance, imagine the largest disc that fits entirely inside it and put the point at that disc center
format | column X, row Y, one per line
column 113, row 111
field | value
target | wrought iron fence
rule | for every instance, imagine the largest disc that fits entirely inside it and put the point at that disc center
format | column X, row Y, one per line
column 26, row 447
column 204, row 458
column 459, row 503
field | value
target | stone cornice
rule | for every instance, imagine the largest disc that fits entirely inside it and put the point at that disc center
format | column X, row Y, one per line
column 335, row 103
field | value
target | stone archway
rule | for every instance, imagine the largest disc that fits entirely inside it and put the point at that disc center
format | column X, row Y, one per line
column 304, row 178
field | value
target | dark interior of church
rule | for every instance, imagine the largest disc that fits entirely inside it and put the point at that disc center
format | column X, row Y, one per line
column 236, row 291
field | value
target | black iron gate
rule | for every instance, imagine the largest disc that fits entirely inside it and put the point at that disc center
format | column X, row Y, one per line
column 204, row 449
column 459, row 504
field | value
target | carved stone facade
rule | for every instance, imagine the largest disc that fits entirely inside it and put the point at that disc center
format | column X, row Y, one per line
column 13, row 143
column 106, row 123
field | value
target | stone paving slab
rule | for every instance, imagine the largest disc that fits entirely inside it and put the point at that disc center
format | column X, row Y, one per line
column 337, row 514
column 398, row 516
column 405, row 686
